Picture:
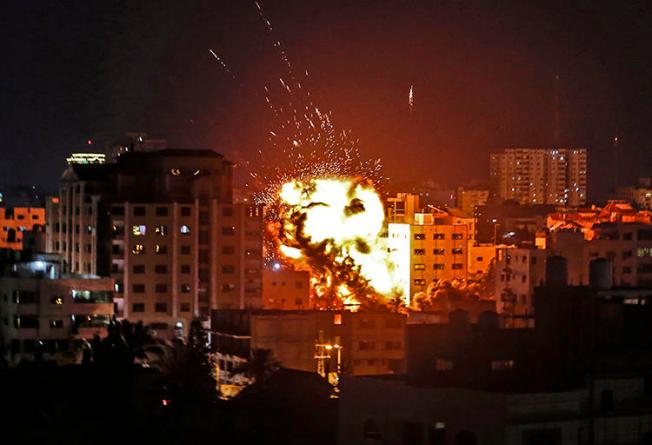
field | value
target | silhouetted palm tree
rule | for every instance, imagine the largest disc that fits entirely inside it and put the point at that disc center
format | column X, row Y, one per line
column 260, row 365
column 189, row 371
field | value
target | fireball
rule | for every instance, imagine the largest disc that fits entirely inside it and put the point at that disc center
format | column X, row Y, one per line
column 333, row 227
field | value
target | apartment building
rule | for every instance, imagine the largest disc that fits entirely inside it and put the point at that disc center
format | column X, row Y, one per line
column 518, row 270
column 434, row 247
column 164, row 226
column 467, row 198
column 540, row 175
column 43, row 311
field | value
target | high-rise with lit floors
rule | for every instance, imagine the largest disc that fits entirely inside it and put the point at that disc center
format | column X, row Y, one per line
column 162, row 224
column 540, row 175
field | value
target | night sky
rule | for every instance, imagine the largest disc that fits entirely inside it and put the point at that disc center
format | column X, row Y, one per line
column 483, row 76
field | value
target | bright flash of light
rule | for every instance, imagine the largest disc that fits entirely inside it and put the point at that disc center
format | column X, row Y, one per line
column 333, row 228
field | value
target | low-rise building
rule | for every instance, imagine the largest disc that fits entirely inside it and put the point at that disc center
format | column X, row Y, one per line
column 44, row 312
column 468, row 198
column 359, row 343
column 627, row 245
column 517, row 271
column 286, row 289
column 385, row 412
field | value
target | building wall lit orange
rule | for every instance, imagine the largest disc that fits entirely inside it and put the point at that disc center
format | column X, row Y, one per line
column 15, row 221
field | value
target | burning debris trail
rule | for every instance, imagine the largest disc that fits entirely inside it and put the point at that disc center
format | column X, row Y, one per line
column 333, row 228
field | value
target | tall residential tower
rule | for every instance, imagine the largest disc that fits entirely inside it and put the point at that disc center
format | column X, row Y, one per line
column 540, row 175
column 162, row 224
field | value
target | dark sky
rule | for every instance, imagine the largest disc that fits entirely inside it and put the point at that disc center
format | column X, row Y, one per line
column 483, row 74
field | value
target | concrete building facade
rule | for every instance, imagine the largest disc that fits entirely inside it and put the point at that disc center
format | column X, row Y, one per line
column 468, row 198
column 540, row 175
column 434, row 247
column 368, row 343
column 518, row 270
column 286, row 289
column 164, row 226
column 15, row 221
column 627, row 245
column 44, row 311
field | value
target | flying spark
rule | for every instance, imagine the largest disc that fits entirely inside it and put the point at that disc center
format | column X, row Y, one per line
column 221, row 62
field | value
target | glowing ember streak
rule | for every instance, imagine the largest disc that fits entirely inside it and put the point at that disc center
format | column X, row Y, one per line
column 333, row 227
column 411, row 97
column 219, row 59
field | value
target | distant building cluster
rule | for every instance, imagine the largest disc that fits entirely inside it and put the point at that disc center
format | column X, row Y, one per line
column 554, row 176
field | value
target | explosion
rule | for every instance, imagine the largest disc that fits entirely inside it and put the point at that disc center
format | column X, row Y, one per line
column 333, row 228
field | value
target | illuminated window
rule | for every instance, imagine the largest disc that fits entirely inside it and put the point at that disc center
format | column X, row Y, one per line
column 337, row 319
column 185, row 288
column 419, row 236
column 643, row 252
column 161, row 230
column 457, row 251
column 56, row 300
column 161, row 249
column 139, row 230
column 185, row 230
column 438, row 236
column 438, row 251
column 419, row 282
column 138, row 249
column 175, row 171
